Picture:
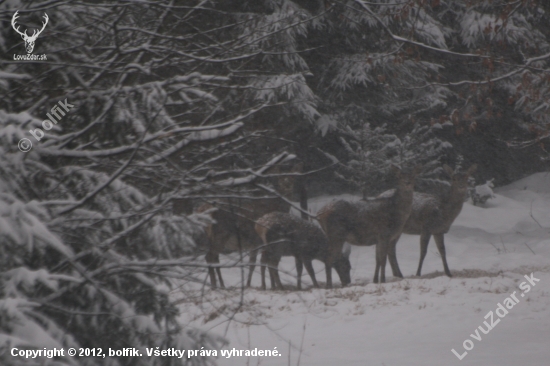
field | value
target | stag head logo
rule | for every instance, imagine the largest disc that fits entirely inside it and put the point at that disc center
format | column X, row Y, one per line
column 29, row 40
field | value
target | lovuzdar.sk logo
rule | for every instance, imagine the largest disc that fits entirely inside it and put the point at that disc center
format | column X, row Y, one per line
column 29, row 40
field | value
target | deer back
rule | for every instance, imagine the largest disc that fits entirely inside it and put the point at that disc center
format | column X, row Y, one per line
column 383, row 216
column 286, row 235
column 339, row 220
column 425, row 213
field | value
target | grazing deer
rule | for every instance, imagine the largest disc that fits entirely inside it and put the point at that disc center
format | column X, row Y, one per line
column 233, row 227
column 433, row 215
column 367, row 222
column 283, row 235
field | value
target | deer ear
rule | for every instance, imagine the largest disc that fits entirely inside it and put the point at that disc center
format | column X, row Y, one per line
column 395, row 170
column 472, row 169
column 448, row 170
column 275, row 170
column 346, row 251
column 298, row 168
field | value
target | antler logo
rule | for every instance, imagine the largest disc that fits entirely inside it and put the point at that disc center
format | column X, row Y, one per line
column 29, row 40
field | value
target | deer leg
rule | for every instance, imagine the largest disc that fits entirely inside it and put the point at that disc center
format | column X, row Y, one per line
column 267, row 263
column 439, row 241
column 276, row 273
column 392, row 257
column 219, row 272
column 311, row 272
column 384, row 257
column 424, row 241
column 275, row 279
column 299, row 269
column 272, row 278
column 378, row 250
column 334, row 253
column 381, row 255
column 263, row 262
column 211, row 259
column 273, row 265
column 252, row 261
column 327, row 271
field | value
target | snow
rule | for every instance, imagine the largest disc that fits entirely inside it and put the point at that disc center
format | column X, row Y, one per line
column 485, row 190
column 414, row 321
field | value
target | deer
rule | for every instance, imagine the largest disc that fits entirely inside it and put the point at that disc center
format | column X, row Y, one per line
column 284, row 234
column 29, row 40
column 433, row 215
column 233, row 224
column 374, row 221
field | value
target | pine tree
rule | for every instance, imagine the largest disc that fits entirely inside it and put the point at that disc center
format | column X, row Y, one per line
column 164, row 97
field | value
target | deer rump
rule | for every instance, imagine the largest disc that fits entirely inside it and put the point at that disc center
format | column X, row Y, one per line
column 426, row 215
column 290, row 236
column 425, row 208
column 286, row 235
column 233, row 229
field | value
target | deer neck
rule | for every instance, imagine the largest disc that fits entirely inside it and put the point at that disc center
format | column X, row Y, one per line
column 403, row 198
column 452, row 205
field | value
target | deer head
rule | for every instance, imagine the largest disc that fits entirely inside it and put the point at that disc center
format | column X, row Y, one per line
column 405, row 181
column 459, row 179
column 29, row 40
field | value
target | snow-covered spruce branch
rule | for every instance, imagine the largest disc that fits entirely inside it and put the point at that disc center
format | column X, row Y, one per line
column 254, row 174
column 200, row 134
column 281, row 158
column 211, row 134
column 519, row 68
column 204, row 133
column 396, row 38
column 103, row 185
column 190, row 192
column 107, row 244
column 527, row 143
column 292, row 204
column 231, row 145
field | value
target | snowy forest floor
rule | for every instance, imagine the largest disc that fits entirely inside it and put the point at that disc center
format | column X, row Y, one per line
column 414, row 321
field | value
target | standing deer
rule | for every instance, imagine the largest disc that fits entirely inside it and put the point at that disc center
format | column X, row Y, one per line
column 373, row 221
column 29, row 40
column 433, row 215
column 233, row 227
column 284, row 234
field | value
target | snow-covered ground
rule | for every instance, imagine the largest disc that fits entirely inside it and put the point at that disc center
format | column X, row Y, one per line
column 414, row 321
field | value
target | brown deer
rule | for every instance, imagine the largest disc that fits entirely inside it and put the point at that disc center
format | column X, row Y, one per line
column 233, row 227
column 367, row 222
column 433, row 215
column 284, row 234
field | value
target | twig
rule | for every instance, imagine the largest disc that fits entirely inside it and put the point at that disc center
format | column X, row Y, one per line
column 530, row 248
column 302, row 342
column 500, row 236
column 248, row 333
column 533, row 217
column 292, row 204
column 289, row 349
column 494, row 246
